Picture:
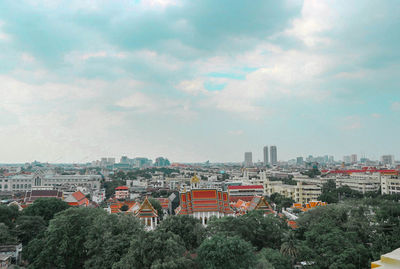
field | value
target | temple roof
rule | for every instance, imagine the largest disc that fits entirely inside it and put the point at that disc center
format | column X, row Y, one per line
column 195, row 179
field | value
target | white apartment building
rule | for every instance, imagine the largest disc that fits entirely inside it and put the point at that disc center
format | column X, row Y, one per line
column 390, row 185
column 300, row 193
column 362, row 182
column 47, row 180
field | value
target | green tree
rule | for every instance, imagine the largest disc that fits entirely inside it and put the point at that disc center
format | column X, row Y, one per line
column 261, row 231
column 109, row 239
column 155, row 250
column 187, row 228
column 8, row 215
column 45, row 208
column 28, row 227
column 157, row 206
column 110, row 186
column 221, row 251
column 273, row 258
column 281, row 201
column 6, row 237
column 62, row 245
column 330, row 238
column 290, row 246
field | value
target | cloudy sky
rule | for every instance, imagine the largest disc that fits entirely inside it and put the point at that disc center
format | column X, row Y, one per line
column 198, row 80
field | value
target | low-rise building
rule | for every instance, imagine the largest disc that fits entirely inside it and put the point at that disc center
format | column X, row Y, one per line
column 244, row 192
column 77, row 199
column 390, row 184
column 389, row 260
column 122, row 192
column 31, row 196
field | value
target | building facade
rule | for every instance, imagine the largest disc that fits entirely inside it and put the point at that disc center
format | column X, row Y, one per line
column 46, row 180
column 265, row 155
column 203, row 203
column 248, row 159
column 274, row 155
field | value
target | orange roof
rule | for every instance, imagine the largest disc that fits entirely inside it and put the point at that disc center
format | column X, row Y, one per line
column 78, row 195
column 292, row 224
column 121, row 188
column 80, row 199
column 116, row 206
column 164, row 202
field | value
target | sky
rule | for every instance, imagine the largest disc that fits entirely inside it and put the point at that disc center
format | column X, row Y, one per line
column 198, row 80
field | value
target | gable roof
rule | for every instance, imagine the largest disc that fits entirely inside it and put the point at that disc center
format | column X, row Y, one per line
column 146, row 210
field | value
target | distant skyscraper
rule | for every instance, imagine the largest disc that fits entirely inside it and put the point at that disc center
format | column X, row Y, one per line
column 353, row 158
column 387, row 159
column 299, row 160
column 248, row 159
column 274, row 155
column 266, row 161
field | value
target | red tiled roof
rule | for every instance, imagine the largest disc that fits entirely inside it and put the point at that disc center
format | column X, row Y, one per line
column 122, row 188
column 78, row 195
column 164, row 202
column 234, row 198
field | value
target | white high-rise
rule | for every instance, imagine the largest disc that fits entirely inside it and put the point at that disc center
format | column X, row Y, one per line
column 248, row 159
column 274, row 155
column 266, row 161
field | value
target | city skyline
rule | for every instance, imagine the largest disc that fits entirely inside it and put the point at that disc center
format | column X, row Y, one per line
column 190, row 81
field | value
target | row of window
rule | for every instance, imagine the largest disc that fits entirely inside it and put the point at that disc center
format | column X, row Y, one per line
column 16, row 186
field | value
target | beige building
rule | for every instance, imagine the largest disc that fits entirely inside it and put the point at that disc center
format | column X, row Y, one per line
column 361, row 182
column 390, row 184
column 389, row 260
column 300, row 193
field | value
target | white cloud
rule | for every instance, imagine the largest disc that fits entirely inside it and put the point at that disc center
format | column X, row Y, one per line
column 351, row 123
column 316, row 17
column 145, row 103
column 376, row 115
column 236, row 132
column 138, row 101
column 3, row 35
column 192, row 87
column 27, row 58
column 395, row 106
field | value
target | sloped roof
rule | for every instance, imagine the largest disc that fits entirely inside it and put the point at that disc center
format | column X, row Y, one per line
column 146, row 210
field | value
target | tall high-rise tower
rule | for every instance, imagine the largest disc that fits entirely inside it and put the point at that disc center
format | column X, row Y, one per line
column 274, row 155
column 266, row 161
column 248, row 159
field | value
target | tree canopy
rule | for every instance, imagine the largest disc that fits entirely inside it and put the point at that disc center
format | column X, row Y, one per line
column 222, row 251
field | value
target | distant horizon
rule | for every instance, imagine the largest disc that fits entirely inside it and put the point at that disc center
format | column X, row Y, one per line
column 196, row 81
column 117, row 159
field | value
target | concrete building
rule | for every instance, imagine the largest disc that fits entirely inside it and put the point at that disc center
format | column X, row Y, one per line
column 389, row 260
column 248, row 159
column 300, row 193
column 274, row 155
column 47, row 180
column 244, row 192
column 387, row 159
column 362, row 182
column 265, row 154
column 299, row 161
column 390, row 185
column 353, row 158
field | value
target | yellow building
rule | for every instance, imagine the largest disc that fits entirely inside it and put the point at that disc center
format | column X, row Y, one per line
column 389, row 260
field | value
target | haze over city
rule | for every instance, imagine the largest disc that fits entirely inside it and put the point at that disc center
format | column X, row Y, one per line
column 195, row 81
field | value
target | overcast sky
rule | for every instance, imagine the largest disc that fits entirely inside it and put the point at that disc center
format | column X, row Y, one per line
column 198, row 80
